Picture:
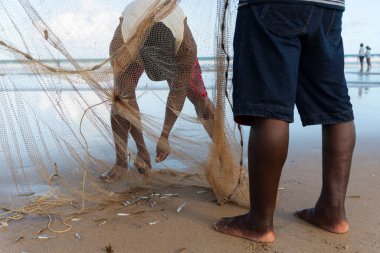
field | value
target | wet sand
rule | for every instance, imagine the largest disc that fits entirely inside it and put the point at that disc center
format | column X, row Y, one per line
column 191, row 230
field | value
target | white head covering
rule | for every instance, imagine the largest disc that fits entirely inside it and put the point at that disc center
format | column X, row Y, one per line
column 135, row 12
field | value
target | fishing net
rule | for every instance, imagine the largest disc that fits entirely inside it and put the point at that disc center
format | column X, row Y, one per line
column 101, row 98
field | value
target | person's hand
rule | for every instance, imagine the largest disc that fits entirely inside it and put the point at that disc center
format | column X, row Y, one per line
column 163, row 149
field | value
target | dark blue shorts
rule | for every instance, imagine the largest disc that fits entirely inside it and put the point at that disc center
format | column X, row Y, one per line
column 289, row 54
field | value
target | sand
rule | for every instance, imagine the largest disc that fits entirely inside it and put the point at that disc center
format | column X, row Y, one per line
column 190, row 230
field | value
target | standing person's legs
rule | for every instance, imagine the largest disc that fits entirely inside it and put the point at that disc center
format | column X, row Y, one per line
column 329, row 212
column 322, row 98
column 369, row 63
column 265, row 80
column 361, row 59
column 267, row 152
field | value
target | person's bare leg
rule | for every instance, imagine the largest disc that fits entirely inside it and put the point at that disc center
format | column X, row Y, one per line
column 329, row 213
column 120, row 126
column 120, row 129
column 142, row 162
column 267, row 152
column 125, row 82
column 369, row 65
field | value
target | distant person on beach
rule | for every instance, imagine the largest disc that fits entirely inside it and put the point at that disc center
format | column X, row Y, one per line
column 368, row 57
column 168, row 53
column 361, row 56
column 288, row 54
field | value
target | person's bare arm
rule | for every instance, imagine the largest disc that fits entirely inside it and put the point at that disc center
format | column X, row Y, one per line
column 178, row 90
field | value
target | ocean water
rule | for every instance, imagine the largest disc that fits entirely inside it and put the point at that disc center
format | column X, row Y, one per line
column 20, row 73
column 42, row 105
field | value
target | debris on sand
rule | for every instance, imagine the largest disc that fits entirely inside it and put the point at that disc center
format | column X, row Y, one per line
column 181, row 207
column 169, row 195
column 153, row 222
column 101, row 221
column 3, row 224
column 43, row 237
column 123, row 214
column 109, row 248
column 152, row 204
column 19, row 239
column 149, row 198
column 78, row 236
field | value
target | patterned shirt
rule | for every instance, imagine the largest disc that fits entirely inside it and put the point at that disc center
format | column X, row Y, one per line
column 336, row 4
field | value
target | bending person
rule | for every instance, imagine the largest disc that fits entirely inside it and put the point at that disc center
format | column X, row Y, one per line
column 168, row 53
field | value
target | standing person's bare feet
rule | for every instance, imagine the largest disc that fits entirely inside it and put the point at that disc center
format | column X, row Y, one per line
column 328, row 221
column 241, row 226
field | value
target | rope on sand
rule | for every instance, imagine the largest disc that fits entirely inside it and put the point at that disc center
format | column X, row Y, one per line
column 40, row 206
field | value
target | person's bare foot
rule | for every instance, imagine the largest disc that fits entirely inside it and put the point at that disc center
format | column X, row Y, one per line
column 163, row 149
column 142, row 162
column 112, row 174
column 239, row 226
column 338, row 226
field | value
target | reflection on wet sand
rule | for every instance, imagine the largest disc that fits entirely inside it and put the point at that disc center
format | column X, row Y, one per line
column 364, row 94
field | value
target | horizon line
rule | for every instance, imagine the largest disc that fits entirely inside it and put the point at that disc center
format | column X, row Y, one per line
column 103, row 59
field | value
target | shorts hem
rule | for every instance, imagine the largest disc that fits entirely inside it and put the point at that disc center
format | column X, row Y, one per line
column 328, row 118
column 244, row 111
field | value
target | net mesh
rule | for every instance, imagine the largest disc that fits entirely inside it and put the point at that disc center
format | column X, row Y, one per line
column 99, row 100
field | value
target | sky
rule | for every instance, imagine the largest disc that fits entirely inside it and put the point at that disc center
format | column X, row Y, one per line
column 361, row 25
column 86, row 27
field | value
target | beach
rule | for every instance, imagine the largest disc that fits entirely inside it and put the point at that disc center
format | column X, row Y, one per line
column 191, row 230
column 59, row 95
column 168, row 228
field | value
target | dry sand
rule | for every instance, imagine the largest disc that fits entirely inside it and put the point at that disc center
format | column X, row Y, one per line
column 191, row 229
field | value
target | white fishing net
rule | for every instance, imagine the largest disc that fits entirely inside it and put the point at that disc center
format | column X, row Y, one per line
column 103, row 97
